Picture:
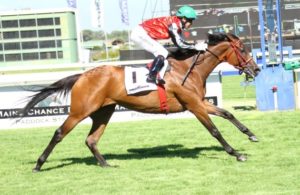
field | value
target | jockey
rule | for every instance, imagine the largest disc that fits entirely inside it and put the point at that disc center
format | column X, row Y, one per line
column 150, row 31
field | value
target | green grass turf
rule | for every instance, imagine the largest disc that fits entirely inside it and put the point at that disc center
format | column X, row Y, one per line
column 161, row 156
column 158, row 157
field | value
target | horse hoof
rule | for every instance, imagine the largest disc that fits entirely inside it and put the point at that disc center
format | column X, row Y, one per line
column 35, row 170
column 109, row 166
column 241, row 158
column 253, row 138
column 106, row 165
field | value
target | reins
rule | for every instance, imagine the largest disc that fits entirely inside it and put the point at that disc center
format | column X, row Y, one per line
column 220, row 60
column 235, row 50
column 194, row 63
column 191, row 68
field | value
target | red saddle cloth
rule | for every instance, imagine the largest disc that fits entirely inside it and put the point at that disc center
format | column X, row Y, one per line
column 163, row 98
column 161, row 95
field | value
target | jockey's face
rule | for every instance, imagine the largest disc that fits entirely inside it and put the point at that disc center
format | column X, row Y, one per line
column 186, row 23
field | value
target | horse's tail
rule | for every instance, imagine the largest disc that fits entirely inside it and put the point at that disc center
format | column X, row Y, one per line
column 62, row 86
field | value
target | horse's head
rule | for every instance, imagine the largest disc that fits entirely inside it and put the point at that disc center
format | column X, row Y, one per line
column 237, row 54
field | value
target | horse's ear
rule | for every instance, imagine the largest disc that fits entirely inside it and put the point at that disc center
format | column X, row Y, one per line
column 209, row 38
column 231, row 37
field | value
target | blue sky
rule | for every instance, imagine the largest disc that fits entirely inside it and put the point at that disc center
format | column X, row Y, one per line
column 112, row 14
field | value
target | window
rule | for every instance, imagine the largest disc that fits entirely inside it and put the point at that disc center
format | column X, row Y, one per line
column 10, row 23
column 60, row 54
column 1, row 47
column 11, row 35
column 46, row 33
column 28, row 34
column 27, row 22
column 13, row 57
column 30, row 45
column 11, row 46
column 1, row 58
column 48, row 55
column 57, row 21
column 30, row 56
column 58, row 32
column 47, row 44
column 58, row 43
column 45, row 21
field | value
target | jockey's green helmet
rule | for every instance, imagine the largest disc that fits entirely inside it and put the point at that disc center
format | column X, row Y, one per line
column 186, row 11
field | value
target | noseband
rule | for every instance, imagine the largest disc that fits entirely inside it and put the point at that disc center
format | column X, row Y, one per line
column 237, row 49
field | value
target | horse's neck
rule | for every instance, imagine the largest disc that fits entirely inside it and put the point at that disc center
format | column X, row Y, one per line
column 207, row 65
column 209, row 61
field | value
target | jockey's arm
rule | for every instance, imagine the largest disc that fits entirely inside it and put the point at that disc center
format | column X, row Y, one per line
column 177, row 38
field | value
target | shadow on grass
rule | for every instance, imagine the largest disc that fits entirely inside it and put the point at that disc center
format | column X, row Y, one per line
column 166, row 151
column 244, row 108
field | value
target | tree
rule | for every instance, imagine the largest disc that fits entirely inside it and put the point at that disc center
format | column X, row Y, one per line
column 99, row 35
column 87, row 35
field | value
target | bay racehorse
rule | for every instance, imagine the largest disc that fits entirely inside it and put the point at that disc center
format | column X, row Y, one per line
column 96, row 92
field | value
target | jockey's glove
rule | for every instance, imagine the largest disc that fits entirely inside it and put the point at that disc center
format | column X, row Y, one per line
column 201, row 46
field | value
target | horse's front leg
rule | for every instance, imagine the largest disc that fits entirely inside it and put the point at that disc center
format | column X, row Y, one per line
column 214, row 110
column 199, row 110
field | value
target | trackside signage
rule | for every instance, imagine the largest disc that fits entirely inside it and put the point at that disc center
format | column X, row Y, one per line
column 59, row 110
column 55, row 116
column 53, row 110
column 44, row 111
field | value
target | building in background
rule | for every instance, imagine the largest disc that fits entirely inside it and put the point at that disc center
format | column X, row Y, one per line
column 241, row 18
column 38, row 37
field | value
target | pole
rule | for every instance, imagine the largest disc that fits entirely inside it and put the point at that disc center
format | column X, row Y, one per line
column 250, row 28
column 106, row 49
column 262, row 33
column 278, row 15
column 129, row 41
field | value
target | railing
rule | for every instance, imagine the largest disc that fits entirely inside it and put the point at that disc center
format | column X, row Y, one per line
column 45, row 74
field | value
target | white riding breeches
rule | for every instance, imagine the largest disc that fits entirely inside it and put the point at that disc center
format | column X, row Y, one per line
column 141, row 38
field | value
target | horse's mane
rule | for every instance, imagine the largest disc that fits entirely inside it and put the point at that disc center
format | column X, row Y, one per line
column 181, row 54
column 212, row 39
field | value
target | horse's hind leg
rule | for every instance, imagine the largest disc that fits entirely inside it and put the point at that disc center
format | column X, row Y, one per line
column 59, row 134
column 214, row 110
column 100, row 119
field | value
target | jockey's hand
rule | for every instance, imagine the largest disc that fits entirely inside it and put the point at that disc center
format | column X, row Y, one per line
column 201, row 46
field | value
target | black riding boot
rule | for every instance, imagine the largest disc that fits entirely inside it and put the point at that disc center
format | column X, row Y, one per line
column 157, row 64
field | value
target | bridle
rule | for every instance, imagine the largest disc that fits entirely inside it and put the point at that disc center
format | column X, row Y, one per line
column 238, row 50
column 243, row 65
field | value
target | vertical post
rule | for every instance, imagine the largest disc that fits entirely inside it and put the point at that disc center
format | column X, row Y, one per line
column 236, row 25
column 262, row 32
column 278, row 15
column 129, row 41
column 106, row 49
column 275, row 97
column 79, row 36
column 250, row 28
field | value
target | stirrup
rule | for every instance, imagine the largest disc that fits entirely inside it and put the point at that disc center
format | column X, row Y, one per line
column 154, row 79
column 160, row 81
column 151, row 78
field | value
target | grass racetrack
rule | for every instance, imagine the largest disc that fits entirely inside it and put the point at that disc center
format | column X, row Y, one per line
column 161, row 156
